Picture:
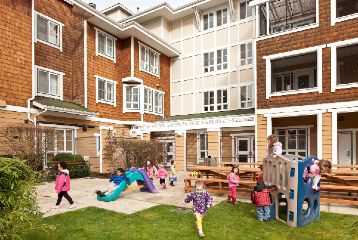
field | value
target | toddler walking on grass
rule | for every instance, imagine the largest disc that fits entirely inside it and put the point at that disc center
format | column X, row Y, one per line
column 262, row 199
column 201, row 203
column 63, row 185
column 233, row 179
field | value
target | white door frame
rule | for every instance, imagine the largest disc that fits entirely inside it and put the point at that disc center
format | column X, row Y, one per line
column 354, row 147
column 250, row 139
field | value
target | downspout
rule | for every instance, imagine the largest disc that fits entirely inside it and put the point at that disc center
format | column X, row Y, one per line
column 33, row 62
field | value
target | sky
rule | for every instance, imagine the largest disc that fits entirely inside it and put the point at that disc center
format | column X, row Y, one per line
column 133, row 4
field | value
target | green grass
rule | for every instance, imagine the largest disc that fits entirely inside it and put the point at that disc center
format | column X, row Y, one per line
column 222, row 222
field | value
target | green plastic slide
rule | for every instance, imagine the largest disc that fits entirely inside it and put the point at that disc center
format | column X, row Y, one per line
column 133, row 176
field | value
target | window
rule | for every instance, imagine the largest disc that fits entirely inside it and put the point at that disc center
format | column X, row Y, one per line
column 245, row 10
column 105, row 45
column 132, row 97
column 346, row 8
column 347, row 64
column 208, row 62
column 149, row 60
column 294, row 73
column 48, row 31
column 221, row 100
column 284, row 15
column 294, row 141
column 208, row 21
column 246, row 54
column 247, row 96
column 62, row 140
column 98, row 144
column 148, row 100
column 106, row 91
column 215, row 100
column 49, row 83
column 158, row 106
column 202, row 146
column 221, row 59
column 221, row 17
column 221, row 62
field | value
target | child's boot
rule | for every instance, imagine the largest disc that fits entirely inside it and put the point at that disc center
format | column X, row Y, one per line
column 201, row 234
column 229, row 199
column 233, row 200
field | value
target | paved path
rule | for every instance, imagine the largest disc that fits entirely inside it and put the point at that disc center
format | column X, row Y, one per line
column 82, row 192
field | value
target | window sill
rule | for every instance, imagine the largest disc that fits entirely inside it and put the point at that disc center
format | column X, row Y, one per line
column 153, row 113
column 131, row 110
column 143, row 70
column 345, row 18
column 245, row 67
column 49, row 44
column 245, row 20
column 293, row 92
column 348, row 85
column 105, row 102
column 49, row 96
column 105, row 56
column 299, row 29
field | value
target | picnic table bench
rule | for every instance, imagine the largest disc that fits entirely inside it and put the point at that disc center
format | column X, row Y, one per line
column 222, row 172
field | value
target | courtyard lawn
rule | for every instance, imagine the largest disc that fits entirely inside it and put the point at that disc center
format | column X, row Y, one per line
column 223, row 221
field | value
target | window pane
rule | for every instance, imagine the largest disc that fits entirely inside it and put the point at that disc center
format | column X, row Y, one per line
column 110, row 92
column 218, row 18
column 218, row 53
column 69, row 140
column 218, row 97
column 135, row 94
column 110, row 47
column 42, row 28
column 42, row 82
column 206, row 98
column 243, row 54
column 224, row 96
column 60, row 140
column 129, row 94
column 206, row 25
column 243, row 10
column 54, row 86
column 101, row 43
column 54, row 33
column 101, row 89
column 303, row 81
column 224, row 18
column 243, row 93
column 211, row 20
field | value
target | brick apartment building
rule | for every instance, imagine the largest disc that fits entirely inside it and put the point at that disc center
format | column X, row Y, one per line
column 307, row 77
column 67, row 66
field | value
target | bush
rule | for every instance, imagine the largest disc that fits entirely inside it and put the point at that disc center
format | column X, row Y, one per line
column 18, row 206
column 78, row 170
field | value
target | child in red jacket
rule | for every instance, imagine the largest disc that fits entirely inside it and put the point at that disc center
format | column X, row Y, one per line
column 63, row 185
column 261, row 197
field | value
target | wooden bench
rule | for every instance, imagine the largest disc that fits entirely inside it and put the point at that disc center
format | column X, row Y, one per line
column 217, row 185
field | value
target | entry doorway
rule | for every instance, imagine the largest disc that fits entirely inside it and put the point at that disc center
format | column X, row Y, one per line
column 244, row 149
column 346, row 147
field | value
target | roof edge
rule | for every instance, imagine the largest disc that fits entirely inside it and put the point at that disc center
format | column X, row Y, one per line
column 118, row 5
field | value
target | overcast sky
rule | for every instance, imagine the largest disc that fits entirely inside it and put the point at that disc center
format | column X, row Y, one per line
column 133, row 4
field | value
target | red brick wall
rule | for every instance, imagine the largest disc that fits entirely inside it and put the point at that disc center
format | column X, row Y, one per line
column 15, row 51
column 324, row 34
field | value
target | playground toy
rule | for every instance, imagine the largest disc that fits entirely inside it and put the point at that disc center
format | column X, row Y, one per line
column 138, row 175
column 293, row 193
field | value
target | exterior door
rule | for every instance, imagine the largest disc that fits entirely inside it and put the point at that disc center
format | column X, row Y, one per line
column 244, row 148
column 345, row 147
column 170, row 146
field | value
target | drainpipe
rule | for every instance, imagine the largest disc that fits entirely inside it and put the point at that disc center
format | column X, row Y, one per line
column 29, row 110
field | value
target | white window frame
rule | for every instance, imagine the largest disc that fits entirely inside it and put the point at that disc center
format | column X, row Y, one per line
column 299, row 52
column 224, row 64
column 214, row 64
column 158, row 109
column 216, row 104
column 114, row 40
column 246, row 18
column 63, row 128
column 148, row 107
column 293, row 30
column 213, row 21
column 125, row 98
column 335, row 19
column 214, row 12
column 98, row 144
column 294, row 74
column 286, row 129
column 199, row 150
column 60, row 83
column 246, row 102
column 221, row 12
column 106, row 80
column 211, row 65
column 245, row 62
column 334, row 47
column 152, row 69
column 50, row 20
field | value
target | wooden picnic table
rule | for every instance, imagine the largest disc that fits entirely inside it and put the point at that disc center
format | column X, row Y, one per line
column 240, row 163
column 344, row 172
column 223, row 171
column 344, row 166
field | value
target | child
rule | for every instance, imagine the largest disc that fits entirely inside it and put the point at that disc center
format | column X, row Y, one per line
column 114, row 182
column 274, row 147
column 262, row 199
column 162, row 174
column 151, row 170
column 201, row 203
column 315, row 170
column 63, row 185
column 233, row 178
column 172, row 177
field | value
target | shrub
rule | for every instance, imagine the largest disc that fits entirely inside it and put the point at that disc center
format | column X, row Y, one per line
column 18, row 205
column 78, row 170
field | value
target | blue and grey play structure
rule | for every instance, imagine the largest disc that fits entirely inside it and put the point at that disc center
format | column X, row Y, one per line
column 295, row 203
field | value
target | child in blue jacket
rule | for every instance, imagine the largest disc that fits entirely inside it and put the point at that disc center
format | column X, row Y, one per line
column 114, row 182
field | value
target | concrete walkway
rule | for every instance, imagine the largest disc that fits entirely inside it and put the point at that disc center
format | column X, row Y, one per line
column 82, row 192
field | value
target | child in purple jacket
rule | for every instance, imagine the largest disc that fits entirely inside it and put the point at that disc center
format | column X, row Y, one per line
column 201, row 203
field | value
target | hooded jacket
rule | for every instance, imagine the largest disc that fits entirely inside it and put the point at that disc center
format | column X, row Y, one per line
column 63, row 181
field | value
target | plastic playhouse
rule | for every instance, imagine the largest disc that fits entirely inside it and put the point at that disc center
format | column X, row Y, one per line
column 295, row 203
column 138, row 175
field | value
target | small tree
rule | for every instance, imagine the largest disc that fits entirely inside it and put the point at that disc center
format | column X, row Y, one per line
column 18, row 207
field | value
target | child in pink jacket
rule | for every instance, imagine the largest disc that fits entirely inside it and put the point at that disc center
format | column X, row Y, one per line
column 162, row 174
column 233, row 178
column 315, row 170
column 63, row 185
column 151, row 170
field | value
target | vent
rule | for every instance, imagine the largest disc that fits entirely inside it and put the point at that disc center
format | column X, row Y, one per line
column 92, row 5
